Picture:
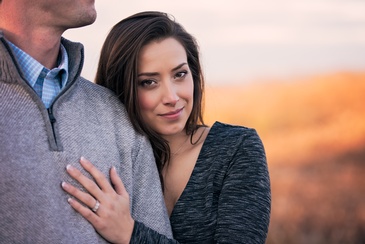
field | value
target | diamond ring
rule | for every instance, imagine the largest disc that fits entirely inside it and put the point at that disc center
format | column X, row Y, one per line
column 96, row 207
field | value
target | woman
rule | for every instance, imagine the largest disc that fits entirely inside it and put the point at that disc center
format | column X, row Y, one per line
column 215, row 180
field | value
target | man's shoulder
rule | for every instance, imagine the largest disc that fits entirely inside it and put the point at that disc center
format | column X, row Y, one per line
column 93, row 88
column 97, row 96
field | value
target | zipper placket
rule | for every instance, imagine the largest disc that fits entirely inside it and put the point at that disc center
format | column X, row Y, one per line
column 52, row 119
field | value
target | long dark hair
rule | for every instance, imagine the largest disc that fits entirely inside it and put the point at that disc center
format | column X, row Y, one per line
column 118, row 70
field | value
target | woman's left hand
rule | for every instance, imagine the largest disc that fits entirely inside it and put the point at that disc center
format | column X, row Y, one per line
column 105, row 207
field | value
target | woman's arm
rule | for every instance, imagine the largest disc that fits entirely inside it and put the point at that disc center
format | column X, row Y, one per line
column 245, row 200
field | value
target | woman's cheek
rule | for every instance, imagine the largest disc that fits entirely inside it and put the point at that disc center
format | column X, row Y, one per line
column 146, row 100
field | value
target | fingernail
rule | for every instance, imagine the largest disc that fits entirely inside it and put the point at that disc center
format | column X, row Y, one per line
column 69, row 200
column 64, row 184
column 84, row 160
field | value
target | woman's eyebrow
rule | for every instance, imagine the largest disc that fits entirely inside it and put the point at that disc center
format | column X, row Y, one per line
column 156, row 73
column 148, row 74
column 179, row 66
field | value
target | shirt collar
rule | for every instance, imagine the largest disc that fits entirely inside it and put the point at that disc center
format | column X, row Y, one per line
column 32, row 68
column 63, row 65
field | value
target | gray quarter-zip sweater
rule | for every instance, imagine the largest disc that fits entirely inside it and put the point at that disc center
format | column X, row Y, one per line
column 36, row 144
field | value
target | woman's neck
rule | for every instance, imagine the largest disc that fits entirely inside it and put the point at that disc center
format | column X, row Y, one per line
column 179, row 143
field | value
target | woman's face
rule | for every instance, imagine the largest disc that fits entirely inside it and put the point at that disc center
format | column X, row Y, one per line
column 165, row 86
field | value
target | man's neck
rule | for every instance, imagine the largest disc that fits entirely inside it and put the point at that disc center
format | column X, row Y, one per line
column 43, row 48
column 40, row 41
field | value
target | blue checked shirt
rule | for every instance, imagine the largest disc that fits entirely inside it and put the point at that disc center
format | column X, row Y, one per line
column 47, row 83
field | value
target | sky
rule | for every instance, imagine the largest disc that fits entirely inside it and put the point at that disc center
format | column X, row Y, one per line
column 246, row 41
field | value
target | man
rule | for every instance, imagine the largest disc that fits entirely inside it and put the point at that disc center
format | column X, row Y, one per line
column 50, row 117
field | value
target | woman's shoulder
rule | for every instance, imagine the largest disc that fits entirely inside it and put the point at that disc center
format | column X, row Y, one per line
column 231, row 138
column 225, row 129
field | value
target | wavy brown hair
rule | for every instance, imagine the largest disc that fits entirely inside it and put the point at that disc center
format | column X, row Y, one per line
column 118, row 70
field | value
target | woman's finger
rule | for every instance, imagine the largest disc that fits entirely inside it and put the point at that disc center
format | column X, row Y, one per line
column 87, row 213
column 87, row 183
column 113, row 218
column 117, row 182
column 99, row 177
column 83, row 197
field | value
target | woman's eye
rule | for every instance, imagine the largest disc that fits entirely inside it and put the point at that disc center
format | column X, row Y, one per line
column 146, row 83
column 181, row 74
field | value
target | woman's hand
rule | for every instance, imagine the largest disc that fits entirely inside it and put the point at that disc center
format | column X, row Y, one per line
column 105, row 208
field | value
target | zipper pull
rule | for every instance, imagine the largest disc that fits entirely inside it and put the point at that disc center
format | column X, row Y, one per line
column 51, row 116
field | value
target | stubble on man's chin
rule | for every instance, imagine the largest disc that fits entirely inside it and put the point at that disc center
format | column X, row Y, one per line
column 88, row 20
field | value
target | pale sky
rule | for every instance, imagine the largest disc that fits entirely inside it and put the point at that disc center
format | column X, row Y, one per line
column 242, row 40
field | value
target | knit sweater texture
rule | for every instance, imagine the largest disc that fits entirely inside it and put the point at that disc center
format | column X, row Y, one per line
column 227, row 198
column 36, row 145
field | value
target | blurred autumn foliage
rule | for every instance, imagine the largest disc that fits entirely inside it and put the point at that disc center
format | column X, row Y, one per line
column 313, row 130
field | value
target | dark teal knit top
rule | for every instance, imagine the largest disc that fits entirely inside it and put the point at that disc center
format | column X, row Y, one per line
column 227, row 198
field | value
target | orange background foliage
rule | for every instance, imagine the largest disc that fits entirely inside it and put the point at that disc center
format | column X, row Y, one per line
column 313, row 130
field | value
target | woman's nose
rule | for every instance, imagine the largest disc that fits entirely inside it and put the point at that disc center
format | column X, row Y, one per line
column 170, row 96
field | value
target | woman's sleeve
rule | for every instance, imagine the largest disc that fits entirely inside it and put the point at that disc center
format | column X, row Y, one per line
column 143, row 234
column 245, row 199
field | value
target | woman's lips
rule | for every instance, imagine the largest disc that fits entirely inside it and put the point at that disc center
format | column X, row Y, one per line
column 173, row 114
